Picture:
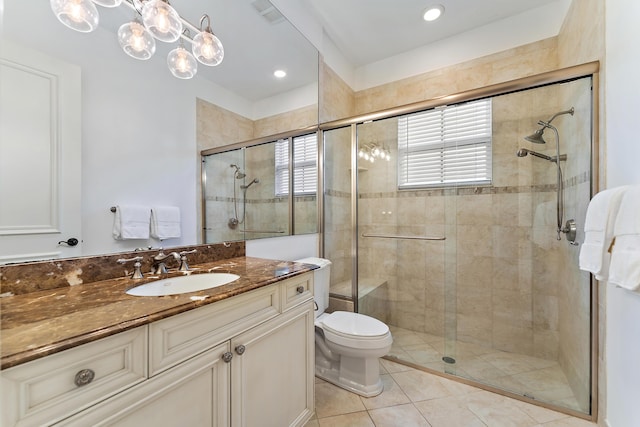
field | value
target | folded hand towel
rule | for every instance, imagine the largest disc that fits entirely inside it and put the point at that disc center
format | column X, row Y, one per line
column 131, row 222
column 165, row 222
column 625, row 257
column 598, row 231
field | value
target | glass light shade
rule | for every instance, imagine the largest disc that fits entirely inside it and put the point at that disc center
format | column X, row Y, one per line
column 161, row 20
column 108, row 3
column 136, row 40
column 181, row 63
column 207, row 48
column 79, row 15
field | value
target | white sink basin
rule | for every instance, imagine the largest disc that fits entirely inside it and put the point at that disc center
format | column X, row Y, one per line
column 182, row 284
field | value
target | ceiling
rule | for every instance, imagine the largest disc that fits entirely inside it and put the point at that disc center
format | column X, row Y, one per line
column 254, row 46
column 366, row 31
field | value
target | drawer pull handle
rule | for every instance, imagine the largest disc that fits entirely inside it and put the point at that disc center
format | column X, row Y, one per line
column 240, row 349
column 84, row 377
column 300, row 289
column 227, row 356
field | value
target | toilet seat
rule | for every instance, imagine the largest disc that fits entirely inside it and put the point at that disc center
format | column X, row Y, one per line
column 355, row 330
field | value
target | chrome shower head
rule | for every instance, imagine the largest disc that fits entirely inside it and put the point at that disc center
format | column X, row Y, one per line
column 523, row 152
column 254, row 181
column 238, row 174
column 536, row 137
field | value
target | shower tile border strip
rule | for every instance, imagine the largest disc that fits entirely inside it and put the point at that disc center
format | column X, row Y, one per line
column 465, row 191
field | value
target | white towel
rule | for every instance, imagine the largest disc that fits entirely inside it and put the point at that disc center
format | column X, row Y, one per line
column 598, row 231
column 131, row 222
column 625, row 256
column 165, row 222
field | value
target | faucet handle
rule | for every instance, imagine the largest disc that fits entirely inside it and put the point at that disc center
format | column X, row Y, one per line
column 137, row 272
column 183, row 260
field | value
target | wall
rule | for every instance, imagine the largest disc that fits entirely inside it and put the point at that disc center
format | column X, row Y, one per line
column 622, row 154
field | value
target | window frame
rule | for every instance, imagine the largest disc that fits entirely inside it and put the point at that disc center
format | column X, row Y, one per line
column 444, row 137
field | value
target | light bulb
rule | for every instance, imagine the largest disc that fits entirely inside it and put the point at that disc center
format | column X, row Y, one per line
column 376, row 151
column 388, row 157
column 79, row 15
column 366, row 156
column 108, row 3
column 181, row 63
column 136, row 41
column 360, row 153
column 162, row 21
column 433, row 13
column 207, row 48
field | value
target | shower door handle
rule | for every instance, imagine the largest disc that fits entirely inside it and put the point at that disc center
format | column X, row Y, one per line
column 393, row 236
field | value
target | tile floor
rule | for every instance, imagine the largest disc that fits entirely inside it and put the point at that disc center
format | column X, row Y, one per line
column 541, row 379
column 416, row 398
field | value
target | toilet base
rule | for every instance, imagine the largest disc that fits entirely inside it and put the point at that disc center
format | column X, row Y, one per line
column 360, row 376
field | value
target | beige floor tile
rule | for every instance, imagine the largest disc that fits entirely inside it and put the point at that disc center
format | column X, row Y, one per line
column 391, row 366
column 501, row 413
column 448, row 412
column 391, row 395
column 538, row 413
column 456, row 388
column 570, row 422
column 418, row 385
column 423, row 353
column 312, row 423
column 398, row 416
column 332, row 400
column 355, row 419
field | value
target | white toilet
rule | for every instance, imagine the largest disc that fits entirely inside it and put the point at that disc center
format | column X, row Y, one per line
column 348, row 345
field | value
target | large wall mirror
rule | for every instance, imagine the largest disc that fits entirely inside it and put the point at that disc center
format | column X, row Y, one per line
column 138, row 130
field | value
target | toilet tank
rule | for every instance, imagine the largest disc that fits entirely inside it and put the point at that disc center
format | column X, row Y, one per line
column 321, row 278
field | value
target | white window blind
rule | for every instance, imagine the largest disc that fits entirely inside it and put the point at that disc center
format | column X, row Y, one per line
column 444, row 146
column 305, row 165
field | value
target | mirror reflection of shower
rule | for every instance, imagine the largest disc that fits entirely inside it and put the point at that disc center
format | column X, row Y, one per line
column 238, row 174
column 537, row 138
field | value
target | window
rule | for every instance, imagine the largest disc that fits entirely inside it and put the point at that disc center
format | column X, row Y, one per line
column 445, row 146
column 305, row 165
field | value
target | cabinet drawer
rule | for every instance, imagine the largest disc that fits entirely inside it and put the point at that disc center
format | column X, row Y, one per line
column 296, row 290
column 177, row 338
column 44, row 391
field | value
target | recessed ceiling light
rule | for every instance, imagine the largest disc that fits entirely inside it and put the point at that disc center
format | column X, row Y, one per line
column 433, row 12
column 279, row 73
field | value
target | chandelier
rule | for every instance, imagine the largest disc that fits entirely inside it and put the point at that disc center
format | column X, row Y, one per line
column 153, row 20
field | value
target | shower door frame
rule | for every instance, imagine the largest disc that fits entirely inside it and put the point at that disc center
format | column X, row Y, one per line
column 590, row 69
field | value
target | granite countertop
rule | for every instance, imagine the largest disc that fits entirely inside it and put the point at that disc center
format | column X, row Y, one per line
column 41, row 323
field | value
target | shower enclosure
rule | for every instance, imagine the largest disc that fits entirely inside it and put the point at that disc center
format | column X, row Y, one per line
column 455, row 246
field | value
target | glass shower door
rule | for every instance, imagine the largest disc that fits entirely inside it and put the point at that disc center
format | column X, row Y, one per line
column 402, row 254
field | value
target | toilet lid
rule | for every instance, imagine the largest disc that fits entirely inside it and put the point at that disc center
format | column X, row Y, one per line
column 354, row 324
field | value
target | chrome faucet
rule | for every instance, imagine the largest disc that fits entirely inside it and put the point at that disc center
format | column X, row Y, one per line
column 183, row 260
column 159, row 266
column 137, row 272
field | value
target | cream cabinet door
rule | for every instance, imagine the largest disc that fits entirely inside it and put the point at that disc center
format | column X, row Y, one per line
column 272, row 371
column 40, row 155
column 194, row 393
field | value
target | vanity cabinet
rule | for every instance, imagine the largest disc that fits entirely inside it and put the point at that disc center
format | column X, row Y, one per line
column 243, row 361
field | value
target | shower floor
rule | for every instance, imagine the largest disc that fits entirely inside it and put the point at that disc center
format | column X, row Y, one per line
column 533, row 377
